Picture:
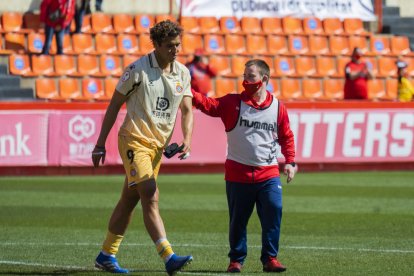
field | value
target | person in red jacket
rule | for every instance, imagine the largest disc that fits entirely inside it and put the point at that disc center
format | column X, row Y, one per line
column 201, row 73
column 56, row 15
column 357, row 73
column 256, row 124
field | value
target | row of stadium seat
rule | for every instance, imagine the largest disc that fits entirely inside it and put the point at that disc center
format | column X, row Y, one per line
column 95, row 23
column 90, row 89
column 231, row 66
column 140, row 23
column 213, row 44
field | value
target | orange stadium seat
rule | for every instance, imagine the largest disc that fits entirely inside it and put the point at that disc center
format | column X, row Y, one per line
column 235, row 44
column 101, row 23
column 333, row 88
column 339, row 45
column 143, row 22
column 326, row 66
column 214, row 43
column 256, row 44
column 298, row 44
column 354, row 26
column 92, row 89
column 189, row 24
column 162, row 17
column 225, row 86
column 110, row 86
column 229, row 24
column 110, row 65
column 208, row 24
column 69, row 89
column 410, row 67
column 391, row 86
column 305, row 66
column 318, row 45
column 284, row 66
column 274, row 87
column 387, row 67
column 312, row 25
column 333, row 26
column 86, row 24
column 127, row 43
column 83, row 44
column 123, row 23
column 237, row 65
column 340, row 64
column 191, row 42
column 65, row 65
column 312, row 89
column 360, row 42
column 250, row 25
column 400, row 45
column 15, row 42
column 20, row 65
column 129, row 59
column 380, row 45
column 43, row 65
column 46, row 88
column 106, row 44
column 35, row 43
column 31, row 22
column 292, row 25
column 12, row 22
column 376, row 89
column 145, row 44
column 272, row 25
column 88, row 66
column 182, row 58
column 221, row 63
column 277, row 44
column 290, row 88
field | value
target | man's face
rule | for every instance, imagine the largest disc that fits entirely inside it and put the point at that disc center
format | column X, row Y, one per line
column 169, row 48
column 252, row 74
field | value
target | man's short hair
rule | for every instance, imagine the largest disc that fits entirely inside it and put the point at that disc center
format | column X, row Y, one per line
column 163, row 30
column 264, row 69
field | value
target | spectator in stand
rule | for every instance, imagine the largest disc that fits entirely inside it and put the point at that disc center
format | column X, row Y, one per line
column 82, row 8
column 201, row 73
column 98, row 5
column 56, row 16
column 357, row 73
column 256, row 123
column 405, row 88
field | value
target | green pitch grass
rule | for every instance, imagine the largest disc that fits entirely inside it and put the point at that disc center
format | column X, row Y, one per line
column 333, row 224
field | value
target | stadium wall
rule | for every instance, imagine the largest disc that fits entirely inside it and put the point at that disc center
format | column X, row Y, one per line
column 57, row 138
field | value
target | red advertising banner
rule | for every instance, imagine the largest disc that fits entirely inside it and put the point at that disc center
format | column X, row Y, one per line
column 23, row 138
column 67, row 137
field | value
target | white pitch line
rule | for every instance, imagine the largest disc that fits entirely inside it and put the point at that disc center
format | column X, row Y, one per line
column 322, row 248
column 44, row 265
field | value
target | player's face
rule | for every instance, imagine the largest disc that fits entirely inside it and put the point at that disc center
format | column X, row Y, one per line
column 169, row 49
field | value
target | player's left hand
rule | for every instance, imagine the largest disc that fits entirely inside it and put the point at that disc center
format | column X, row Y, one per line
column 185, row 153
column 98, row 153
column 290, row 171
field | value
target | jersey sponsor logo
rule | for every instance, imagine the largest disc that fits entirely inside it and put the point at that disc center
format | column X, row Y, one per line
column 162, row 105
column 257, row 125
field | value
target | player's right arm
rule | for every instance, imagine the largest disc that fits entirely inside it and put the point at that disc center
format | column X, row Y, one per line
column 207, row 105
column 112, row 111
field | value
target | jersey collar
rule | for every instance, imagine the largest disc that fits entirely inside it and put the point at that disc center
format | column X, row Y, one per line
column 154, row 64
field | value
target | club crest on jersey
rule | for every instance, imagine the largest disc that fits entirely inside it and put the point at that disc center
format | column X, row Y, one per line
column 178, row 88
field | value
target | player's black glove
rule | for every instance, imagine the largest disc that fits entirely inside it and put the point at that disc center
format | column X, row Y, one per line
column 172, row 150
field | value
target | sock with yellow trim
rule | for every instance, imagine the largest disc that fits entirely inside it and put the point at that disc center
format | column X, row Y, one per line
column 164, row 249
column 111, row 243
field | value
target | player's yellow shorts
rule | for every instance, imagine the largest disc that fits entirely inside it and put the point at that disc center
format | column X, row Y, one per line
column 141, row 162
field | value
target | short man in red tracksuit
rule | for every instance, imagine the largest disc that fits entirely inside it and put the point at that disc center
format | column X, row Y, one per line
column 357, row 74
column 256, row 123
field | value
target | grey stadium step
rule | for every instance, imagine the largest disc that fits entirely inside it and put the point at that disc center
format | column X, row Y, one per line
column 3, row 69
column 10, row 93
column 7, row 80
column 392, row 11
